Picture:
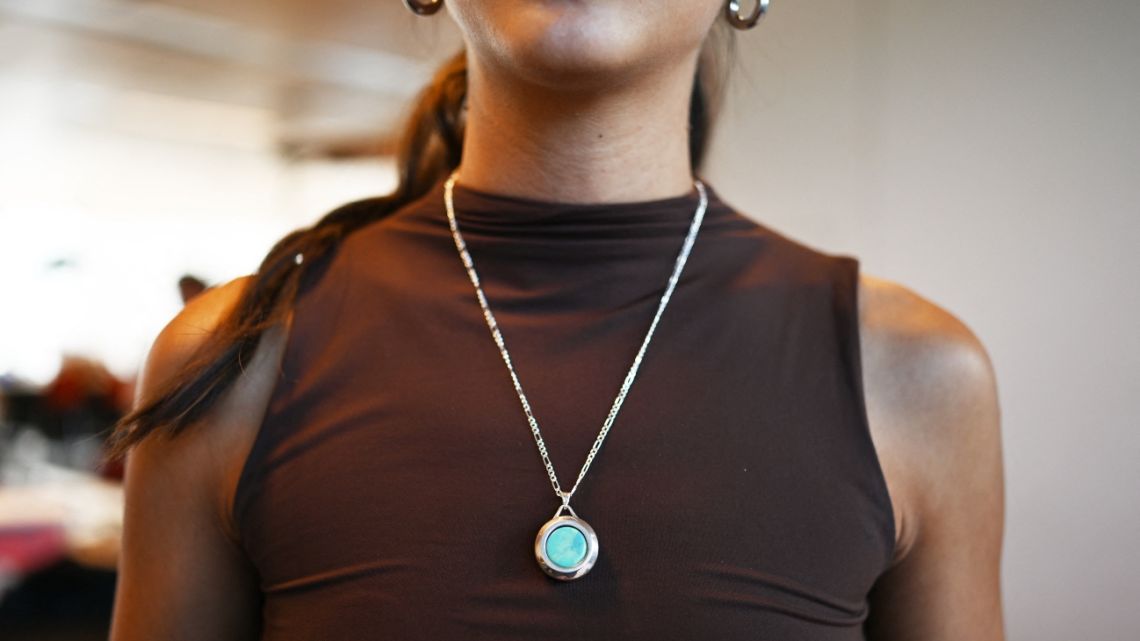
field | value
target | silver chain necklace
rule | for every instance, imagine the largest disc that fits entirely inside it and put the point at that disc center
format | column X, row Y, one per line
column 566, row 547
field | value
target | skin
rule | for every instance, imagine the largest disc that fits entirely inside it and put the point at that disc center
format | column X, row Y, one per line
column 591, row 98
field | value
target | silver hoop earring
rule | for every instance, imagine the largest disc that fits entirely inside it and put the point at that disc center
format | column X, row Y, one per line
column 744, row 22
column 424, row 8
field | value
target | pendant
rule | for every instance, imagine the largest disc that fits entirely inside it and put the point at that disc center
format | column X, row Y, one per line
column 566, row 546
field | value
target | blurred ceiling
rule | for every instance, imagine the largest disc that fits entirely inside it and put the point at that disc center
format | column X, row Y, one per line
column 314, row 72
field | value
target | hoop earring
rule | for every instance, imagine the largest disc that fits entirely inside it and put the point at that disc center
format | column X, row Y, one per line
column 732, row 9
column 421, row 8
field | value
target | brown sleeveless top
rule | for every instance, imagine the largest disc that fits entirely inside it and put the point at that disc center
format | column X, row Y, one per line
column 394, row 490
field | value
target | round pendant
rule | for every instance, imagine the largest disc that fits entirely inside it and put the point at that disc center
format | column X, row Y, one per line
column 566, row 546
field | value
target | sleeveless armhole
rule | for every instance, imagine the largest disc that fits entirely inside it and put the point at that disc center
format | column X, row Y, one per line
column 249, row 477
column 847, row 307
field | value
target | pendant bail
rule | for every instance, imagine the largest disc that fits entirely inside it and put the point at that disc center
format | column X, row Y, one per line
column 565, row 506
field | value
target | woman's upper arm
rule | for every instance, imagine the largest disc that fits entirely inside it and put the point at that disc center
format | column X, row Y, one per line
column 181, row 573
column 935, row 398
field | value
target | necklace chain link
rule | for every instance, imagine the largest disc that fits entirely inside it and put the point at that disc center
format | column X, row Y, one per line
column 679, row 265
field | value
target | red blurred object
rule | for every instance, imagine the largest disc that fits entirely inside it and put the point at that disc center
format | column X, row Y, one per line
column 82, row 381
column 111, row 470
column 27, row 548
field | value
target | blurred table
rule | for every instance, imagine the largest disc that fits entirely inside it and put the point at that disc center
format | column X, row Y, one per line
column 73, row 516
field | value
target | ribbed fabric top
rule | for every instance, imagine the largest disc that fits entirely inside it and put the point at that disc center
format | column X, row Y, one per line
column 394, row 490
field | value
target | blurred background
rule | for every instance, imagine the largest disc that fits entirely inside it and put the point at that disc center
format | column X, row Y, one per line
column 985, row 154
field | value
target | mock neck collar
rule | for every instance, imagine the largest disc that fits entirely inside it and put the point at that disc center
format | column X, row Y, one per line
column 483, row 212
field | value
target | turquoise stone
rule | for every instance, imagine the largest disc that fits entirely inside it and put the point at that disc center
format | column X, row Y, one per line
column 566, row 546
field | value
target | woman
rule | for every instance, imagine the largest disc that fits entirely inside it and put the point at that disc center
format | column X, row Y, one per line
column 798, row 451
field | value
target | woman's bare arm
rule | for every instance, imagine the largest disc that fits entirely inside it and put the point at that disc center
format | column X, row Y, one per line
column 932, row 400
column 182, row 575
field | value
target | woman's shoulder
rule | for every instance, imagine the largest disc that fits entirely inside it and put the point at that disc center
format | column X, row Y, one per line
column 932, row 403
column 908, row 328
column 188, row 330
column 215, row 446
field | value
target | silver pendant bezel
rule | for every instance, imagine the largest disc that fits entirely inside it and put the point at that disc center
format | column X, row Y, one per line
column 548, row 566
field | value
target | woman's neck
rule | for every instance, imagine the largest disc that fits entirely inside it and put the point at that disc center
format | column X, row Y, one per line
column 616, row 141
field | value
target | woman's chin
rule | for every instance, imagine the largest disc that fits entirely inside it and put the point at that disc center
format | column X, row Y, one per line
column 572, row 70
column 555, row 43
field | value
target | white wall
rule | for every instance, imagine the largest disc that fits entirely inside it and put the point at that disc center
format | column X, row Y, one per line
column 986, row 154
column 110, row 196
